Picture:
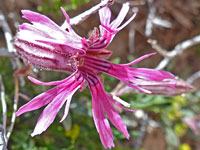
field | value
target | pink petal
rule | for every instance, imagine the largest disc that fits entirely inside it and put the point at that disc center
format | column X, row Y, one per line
column 40, row 100
column 46, row 97
column 151, row 74
column 68, row 80
column 69, row 97
column 49, row 113
column 113, row 116
column 127, row 22
column 102, row 103
column 122, row 14
column 101, row 122
column 44, row 29
column 105, row 15
column 139, row 59
column 41, row 55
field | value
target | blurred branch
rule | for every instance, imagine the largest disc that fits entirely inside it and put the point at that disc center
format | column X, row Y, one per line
column 5, row 53
column 4, row 106
column 80, row 18
column 16, row 99
column 143, row 130
column 152, row 19
column 193, row 77
column 10, row 46
column 151, row 16
column 2, row 139
column 131, row 39
column 25, row 97
column 7, row 33
column 178, row 49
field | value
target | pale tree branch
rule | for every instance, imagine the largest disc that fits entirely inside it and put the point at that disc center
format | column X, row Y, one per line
column 152, row 19
column 193, row 77
column 2, row 139
column 16, row 99
column 5, row 53
column 4, row 107
column 178, row 50
column 80, row 18
column 7, row 33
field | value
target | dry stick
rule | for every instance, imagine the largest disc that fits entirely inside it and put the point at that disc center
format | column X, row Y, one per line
column 15, row 62
column 80, row 18
column 5, row 53
column 193, row 77
column 10, row 46
column 4, row 106
column 14, row 107
column 7, row 33
column 131, row 42
column 178, row 49
column 151, row 16
column 2, row 139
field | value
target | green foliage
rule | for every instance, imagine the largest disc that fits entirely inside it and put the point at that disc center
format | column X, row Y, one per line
column 52, row 6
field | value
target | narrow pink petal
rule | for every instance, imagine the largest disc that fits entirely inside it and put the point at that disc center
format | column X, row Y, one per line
column 49, row 113
column 46, row 25
column 113, row 116
column 69, row 97
column 41, row 55
column 44, row 83
column 139, row 59
column 122, row 14
column 127, row 22
column 40, row 100
column 65, row 14
column 46, row 97
column 100, row 121
column 102, row 103
column 151, row 74
column 40, row 19
column 137, row 88
column 44, row 29
column 66, row 47
column 68, row 79
column 120, row 106
column 105, row 15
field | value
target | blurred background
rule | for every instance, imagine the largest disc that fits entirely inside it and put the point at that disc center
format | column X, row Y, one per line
column 168, row 120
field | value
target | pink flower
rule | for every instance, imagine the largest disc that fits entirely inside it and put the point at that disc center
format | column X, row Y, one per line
column 45, row 44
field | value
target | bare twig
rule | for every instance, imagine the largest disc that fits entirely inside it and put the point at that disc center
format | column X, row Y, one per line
column 5, row 53
column 152, row 19
column 7, row 33
column 131, row 38
column 2, row 139
column 161, row 22
column 25, row 97
column 193, row 77
column 158, row 48
column 181, row 47
column 143, row 130
column 151, row 16
column 80, row 18
column 4, row 106
column 14, row 108
column 178, row 49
